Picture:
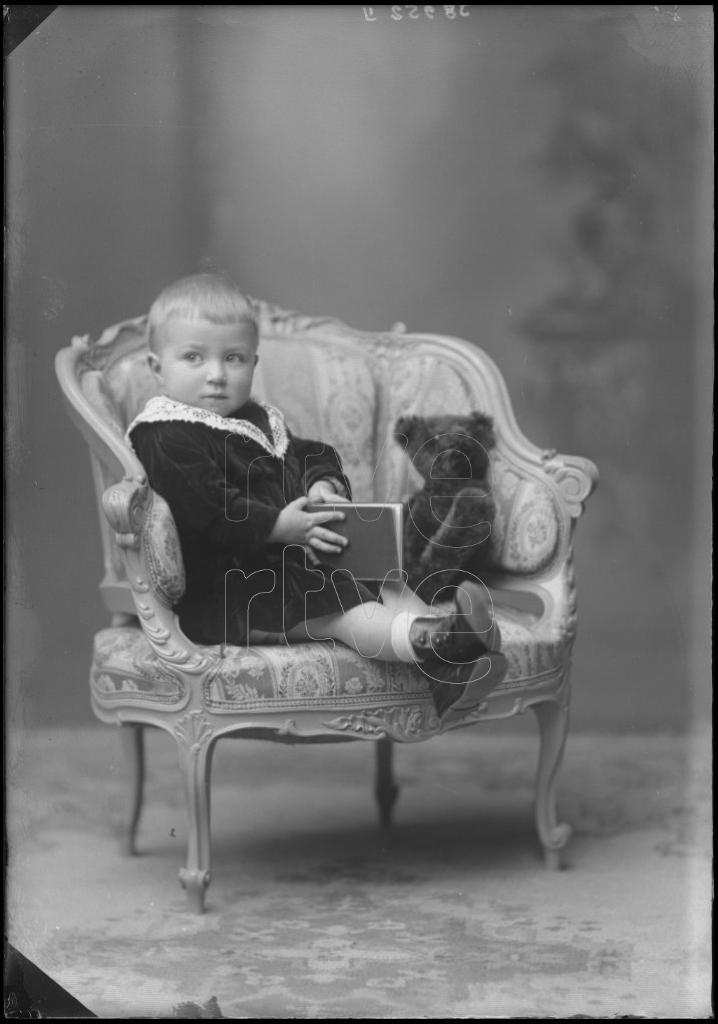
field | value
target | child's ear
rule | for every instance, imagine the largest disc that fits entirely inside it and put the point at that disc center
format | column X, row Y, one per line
column 154, row 364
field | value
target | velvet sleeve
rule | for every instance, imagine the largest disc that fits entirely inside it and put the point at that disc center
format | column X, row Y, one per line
column 319, row 461
column 185, row 470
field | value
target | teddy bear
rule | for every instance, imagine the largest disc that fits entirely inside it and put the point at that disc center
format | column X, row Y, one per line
column 448, row 522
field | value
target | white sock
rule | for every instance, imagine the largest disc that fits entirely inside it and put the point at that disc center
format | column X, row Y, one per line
column 400, row 642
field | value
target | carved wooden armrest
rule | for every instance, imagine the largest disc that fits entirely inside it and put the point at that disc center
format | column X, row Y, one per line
column 144, row 528
column 124, row 505
column 143, row 524
column 550, row 587
column 575, row 477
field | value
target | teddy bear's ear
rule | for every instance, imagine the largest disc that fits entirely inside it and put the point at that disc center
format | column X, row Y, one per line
column 481, row 426
column 405, row 427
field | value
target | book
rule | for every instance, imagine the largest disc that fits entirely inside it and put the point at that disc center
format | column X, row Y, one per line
column 374, row 531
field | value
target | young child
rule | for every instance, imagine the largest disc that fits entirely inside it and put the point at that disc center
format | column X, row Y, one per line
column 238, row 481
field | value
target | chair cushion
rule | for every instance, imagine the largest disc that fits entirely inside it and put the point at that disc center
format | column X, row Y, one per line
column 313, row 676
column 306, row 676
column 532, row 652
column 125, row 666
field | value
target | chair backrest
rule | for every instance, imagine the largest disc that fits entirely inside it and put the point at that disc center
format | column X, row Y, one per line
column 347, row 388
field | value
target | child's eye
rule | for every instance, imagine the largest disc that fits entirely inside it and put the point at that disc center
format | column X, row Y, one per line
column 235, row 357
column 192, row 357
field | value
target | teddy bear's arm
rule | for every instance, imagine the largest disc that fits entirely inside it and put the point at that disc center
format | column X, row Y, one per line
column 466, row 527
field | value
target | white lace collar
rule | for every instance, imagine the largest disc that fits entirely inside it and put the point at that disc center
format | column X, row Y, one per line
column 162, row 409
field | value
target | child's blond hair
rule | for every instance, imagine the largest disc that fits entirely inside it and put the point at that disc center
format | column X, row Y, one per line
column 204, row 297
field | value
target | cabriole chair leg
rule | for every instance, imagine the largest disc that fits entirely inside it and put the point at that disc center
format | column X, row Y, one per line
column 196, row 767
column 553, row 726
column 386, row 789
column 133, row 742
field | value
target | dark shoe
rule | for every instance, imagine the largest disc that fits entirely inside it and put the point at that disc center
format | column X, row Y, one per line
column 482, row 673
column 459, row 637
column 488, row 672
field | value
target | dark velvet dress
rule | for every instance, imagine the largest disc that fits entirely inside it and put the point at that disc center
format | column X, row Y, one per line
column 226, row 483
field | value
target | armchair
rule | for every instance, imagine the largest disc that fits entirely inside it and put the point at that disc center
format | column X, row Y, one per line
column 349, row 388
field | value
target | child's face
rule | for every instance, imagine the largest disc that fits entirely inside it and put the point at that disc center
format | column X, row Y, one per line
column 207, row 365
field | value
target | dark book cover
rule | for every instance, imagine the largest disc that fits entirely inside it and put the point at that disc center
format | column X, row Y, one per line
column 374, row 531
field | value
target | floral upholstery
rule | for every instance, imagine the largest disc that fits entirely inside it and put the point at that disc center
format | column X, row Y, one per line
column 125, row 668
column 532, row 650
column 528, row 526
column 305, row 676
column 162, row 552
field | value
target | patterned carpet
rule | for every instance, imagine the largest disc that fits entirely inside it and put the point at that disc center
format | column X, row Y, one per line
column 314, row 913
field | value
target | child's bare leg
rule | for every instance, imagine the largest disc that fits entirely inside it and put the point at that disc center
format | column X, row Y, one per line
column 366, row 627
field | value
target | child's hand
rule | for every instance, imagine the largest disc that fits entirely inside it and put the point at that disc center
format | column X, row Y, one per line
column 295, row 526
column 322, row 491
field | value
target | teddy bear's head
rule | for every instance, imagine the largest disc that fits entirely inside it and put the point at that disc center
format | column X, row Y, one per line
column 447, row 447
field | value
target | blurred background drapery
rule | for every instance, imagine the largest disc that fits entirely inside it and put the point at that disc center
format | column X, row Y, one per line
column 535, row 179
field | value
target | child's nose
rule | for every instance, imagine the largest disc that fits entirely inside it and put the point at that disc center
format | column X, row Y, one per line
column 215, row 371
